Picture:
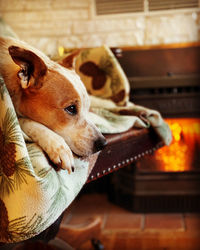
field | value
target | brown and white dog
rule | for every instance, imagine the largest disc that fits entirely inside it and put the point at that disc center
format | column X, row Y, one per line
column 51, row 102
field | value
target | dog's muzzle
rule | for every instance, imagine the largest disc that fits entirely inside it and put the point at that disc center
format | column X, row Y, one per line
column 99, row 144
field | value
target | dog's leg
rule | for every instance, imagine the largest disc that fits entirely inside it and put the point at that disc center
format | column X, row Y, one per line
column 53, row 144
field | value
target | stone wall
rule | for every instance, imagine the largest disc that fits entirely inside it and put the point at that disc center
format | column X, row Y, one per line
column 47, row 24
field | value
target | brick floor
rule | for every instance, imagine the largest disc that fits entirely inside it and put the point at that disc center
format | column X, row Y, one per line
column 157, row 222
column 119, row 219
column 122, row 229
column 192, row 222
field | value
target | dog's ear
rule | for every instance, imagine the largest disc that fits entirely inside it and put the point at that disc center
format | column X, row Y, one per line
column 32, row 66
column 69, row 60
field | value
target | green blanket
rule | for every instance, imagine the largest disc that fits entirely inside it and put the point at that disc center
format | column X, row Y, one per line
column 32, row 193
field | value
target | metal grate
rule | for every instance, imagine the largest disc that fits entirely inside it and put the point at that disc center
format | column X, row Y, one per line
column 172, row 4
column 108, row 7
column 105, row 7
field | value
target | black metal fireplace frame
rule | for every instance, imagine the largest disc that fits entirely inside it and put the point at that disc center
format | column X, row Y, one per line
column 166, row 79
column 174, row 96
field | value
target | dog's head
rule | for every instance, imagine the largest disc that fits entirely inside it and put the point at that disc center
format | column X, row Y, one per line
column 50, row 94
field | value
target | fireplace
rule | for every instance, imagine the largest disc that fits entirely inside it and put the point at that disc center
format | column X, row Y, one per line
column 166, row 79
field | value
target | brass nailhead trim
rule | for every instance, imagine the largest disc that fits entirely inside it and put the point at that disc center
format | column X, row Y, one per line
column 150, row 151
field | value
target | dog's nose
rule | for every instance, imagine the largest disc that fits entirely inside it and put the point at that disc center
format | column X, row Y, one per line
column 99, row 144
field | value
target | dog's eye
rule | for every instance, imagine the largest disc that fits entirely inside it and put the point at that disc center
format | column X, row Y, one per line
column 72, row 110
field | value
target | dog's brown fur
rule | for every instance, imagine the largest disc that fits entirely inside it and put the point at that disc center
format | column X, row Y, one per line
column 41, row 91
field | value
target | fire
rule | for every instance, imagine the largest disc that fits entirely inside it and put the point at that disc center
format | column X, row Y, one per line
column 184, row 152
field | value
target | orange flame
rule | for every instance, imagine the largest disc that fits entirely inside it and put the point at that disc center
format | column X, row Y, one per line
column 184, row 152
column 179, row 156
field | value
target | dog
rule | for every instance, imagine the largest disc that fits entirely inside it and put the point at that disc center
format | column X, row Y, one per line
column 51, row 102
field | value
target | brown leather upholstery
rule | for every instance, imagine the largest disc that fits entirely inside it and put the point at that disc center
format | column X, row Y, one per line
column 123, row 149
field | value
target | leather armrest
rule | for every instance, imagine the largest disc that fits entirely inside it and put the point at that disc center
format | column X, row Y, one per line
column 123, row 149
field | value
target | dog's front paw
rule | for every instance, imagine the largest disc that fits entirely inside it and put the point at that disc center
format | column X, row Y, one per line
column 53, row 144
column 60, row 153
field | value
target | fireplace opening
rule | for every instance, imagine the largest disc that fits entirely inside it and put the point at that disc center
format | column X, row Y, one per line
column 183, row 153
